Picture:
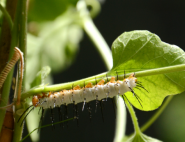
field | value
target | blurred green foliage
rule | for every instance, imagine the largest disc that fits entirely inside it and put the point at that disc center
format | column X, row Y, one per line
column 52, row 43
column 44, row 10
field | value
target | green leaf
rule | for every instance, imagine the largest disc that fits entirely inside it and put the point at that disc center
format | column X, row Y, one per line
column 140, row 138
column 41, row 76
column 141, row 50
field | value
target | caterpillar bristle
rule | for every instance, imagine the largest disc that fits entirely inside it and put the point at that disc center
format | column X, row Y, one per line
column 89, row 110
column 142, row 87
column 101, row 107
column 24, row 113
column 114, row 106
column 77, row 115
column 60, row 116
column 52, row 118
column 138, row 99
column 124, row 96
column 75, row 112
column 83, row 104
column 26, row 116
column 66, row 114
column 107, row 78
column 41, row 119
column 95, row 80
column 137, row 88
column 96, row 103
column 117, row 75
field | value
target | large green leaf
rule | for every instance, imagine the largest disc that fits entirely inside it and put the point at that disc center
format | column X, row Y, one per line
column 140, row 50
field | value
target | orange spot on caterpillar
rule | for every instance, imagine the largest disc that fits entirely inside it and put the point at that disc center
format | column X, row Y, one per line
column 50, row 93
column 89, row 85
column 35, row 101
column 112, row 80
column 77, row 87
column 101, row 82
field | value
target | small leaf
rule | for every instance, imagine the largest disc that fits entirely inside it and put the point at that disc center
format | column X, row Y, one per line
column 141, row 50
column 41, row 76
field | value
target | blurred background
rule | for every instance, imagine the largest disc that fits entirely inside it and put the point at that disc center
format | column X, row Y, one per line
column 56, row 38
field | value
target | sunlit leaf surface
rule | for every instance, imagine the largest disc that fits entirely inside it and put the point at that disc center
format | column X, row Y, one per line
column 140, row 50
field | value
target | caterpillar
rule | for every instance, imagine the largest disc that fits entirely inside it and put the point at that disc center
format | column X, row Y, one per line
column 85, row 94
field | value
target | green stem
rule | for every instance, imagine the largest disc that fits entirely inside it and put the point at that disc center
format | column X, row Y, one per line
column 17, row 129
column 23, row 36
column 120, row 119
column 156, row 115
column 133, row 116
column 161, row 70
column 22, row 19
column 7, row 83
column 7, row 16
column 5, row 96
column 94, row 34
column 57, row 87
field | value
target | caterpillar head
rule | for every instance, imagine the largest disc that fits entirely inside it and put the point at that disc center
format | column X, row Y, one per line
column 35, row 101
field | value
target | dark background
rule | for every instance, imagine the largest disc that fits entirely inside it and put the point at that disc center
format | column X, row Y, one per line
column 162, row 17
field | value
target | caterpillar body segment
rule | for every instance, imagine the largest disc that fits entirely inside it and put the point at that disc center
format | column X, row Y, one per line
column 86, row 94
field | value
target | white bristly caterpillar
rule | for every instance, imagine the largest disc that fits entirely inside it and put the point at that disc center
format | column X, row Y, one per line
column 86, row 94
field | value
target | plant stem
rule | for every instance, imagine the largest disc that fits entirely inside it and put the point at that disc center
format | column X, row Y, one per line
column 156, row 115
column 6, row 41
column 57, row 87
column 120, row 119
column 133, row 116
column 7, row 16
column 23, row 35
column 22, row 5
column 94, row 34
column 161, row 70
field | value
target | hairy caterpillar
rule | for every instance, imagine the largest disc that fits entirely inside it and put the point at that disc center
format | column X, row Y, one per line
column 86, row 94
